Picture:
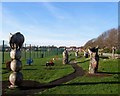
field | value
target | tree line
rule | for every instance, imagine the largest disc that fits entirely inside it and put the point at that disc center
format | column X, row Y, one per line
column 106, row 40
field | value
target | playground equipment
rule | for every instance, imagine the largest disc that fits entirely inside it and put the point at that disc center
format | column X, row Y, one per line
column 51, row 63
column 16, row 77
column 29, row 61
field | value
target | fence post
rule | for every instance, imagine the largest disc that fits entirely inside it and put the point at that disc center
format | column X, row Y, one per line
column 30, row 51
column 37, row 51
column 3, row 49
column 25, row 51
column 33, row 51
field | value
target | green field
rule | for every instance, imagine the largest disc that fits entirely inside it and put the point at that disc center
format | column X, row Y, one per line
column 92, row 85
column 81, row 85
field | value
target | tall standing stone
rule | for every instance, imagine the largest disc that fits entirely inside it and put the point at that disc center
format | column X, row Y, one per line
column 65, row 56
column 94, row 60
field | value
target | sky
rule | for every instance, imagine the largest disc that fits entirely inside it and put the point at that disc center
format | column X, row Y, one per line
column 58, row 23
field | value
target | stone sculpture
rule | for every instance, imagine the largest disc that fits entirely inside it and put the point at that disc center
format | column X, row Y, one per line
column 94, row 60
column 16, row 42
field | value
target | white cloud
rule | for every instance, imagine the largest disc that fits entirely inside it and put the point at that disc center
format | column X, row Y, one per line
column 55, row 11
column 66, row 33
column 47, row 42
column 33, row 33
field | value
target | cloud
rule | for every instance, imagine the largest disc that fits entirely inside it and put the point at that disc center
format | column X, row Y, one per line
column 47, row 42
column 55, row 11
column 33, row 33
column 63, row 29
column 41, row 35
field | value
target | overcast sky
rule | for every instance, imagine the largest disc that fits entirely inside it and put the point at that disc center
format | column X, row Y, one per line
column 58, row 23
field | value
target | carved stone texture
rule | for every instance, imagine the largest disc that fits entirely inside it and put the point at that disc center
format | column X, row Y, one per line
column 16, row 65
column 65, row 57
column 15, row 54
column 16, row 78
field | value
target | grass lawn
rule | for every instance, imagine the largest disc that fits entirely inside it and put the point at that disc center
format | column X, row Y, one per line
column 39, row 72
column 91, row 85
column 80, row 85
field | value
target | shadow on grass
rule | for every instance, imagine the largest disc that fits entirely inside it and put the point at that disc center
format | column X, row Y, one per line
column 29, row 69
column 104, row 57
column 4, row 68
column 83, row 61
column 29, row 85
column 108, row 72
column 5, row 72
column 54, row 68
column 91, row 83
column 26, row 89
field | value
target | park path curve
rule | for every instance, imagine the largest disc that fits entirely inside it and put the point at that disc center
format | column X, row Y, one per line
column 78, row 71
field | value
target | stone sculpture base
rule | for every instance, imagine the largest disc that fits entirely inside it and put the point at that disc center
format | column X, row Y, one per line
column 65, row 61
column 12, row 86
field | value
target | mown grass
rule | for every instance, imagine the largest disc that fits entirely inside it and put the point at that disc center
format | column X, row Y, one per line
column 80, row 85
column 92, row 85
column 39, row 72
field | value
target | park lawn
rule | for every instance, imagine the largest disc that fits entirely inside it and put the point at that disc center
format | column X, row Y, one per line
column 39, row 72
column 86, row 85
column 91, row 85
column 80, row 85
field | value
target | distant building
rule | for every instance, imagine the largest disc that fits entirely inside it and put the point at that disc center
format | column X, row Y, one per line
column 6, row 48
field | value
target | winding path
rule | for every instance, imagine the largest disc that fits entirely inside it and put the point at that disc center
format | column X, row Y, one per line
column 78, row 72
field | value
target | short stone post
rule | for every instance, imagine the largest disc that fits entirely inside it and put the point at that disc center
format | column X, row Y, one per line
column 113, row 52
column 16, row 76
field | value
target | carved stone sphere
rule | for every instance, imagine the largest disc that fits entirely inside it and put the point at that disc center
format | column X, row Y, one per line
column 16, row 65
column 16, row 78
column 15, row 54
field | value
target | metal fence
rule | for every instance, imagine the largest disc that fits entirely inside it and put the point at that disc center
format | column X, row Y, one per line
column 29, row 51
column 0, row 71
